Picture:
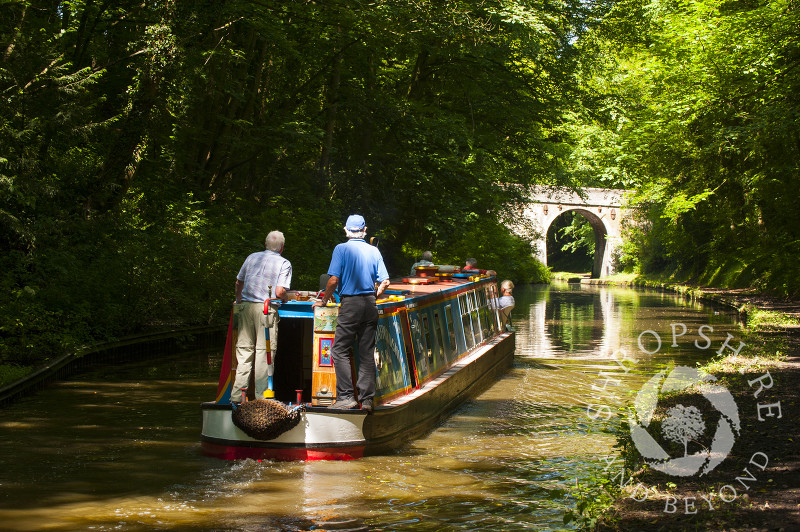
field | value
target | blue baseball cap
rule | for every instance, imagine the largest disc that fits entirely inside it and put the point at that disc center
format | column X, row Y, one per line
column 355, row 222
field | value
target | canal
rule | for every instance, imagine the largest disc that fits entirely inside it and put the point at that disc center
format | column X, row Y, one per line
column 117, row 448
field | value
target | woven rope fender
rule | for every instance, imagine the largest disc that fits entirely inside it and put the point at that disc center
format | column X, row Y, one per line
column 265, row 419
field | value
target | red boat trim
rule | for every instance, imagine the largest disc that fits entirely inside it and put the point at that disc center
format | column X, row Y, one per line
column 393, row 395
column 238, row 452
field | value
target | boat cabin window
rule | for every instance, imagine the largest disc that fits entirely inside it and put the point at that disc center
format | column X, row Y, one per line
column 416, row 332
column 451, row 331
column 495, row 310
column 418, row 340
column 466, row 321
column 473, row 312
column 439, row 333
column 393, row 368
column 426, row 328
column 486, row 321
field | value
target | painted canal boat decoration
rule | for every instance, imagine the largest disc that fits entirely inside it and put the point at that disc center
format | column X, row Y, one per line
column 440, row 340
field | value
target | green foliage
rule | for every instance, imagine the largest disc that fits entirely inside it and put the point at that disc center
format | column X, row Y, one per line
column 695, row 104
column 597, row 493
column 147, row 148
column 593, row 498
column 12, row 373
column 495, row 248
column 570, row 243
column 765, row 320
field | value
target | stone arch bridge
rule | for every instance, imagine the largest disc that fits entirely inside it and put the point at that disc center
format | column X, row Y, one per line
column 602, row 207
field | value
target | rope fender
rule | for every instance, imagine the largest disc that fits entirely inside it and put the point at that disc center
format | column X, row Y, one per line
column 266, row 419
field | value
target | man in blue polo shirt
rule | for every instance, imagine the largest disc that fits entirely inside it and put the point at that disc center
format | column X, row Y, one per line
column 356, row 267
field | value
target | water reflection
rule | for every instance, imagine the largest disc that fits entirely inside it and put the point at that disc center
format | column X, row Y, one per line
column 569, row 323
column 574, row 323
column 118, row 448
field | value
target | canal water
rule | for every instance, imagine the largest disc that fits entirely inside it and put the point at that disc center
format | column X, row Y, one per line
column 118, row 448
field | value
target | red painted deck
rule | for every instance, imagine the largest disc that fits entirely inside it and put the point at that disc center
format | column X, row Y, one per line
column 422, row 289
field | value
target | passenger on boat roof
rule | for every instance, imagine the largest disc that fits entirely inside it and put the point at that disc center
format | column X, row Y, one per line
column 357, row 267
column 505, row 303
column 471, row 264
column 426, row 260
column 264, row 275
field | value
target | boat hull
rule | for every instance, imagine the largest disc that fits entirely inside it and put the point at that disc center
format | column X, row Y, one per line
column 327, row 434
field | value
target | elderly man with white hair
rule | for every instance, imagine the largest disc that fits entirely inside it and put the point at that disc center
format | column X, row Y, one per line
column 264, row 275
column 358, row 269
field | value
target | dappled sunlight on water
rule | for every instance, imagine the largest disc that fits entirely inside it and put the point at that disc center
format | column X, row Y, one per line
column 118, row 448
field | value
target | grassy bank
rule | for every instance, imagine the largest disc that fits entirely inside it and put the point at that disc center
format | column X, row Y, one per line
column 755, row 486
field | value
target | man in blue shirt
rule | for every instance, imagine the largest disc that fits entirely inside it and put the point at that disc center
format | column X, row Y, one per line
column 356, row 267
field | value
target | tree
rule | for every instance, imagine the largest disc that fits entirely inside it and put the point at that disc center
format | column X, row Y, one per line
column 147, row 147
column 695, row 104
column 682, row 425
column 571, row 243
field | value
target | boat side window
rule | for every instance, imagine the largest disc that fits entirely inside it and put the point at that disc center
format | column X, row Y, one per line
column 416, row 332
column 486, row 321
column 393, row 370
column 426, row 329
column 492, row 310
column 495, row 309
column 418, row 343
column 439, row 333
column 451, row 329
column 473, row 312
column 466, row 322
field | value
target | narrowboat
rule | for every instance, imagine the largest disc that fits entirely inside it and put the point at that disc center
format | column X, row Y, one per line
column 440, row 340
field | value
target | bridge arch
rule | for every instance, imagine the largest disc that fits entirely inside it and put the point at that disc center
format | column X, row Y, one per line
column 602, row 207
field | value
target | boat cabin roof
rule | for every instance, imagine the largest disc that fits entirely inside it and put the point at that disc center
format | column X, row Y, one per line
column 399, row 292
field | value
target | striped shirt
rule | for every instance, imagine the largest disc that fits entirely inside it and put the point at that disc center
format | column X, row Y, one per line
column 262, row 270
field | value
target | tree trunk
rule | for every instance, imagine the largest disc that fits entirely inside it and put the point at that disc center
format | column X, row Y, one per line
column 17, row 33
column 332, row 99
column 126, row 151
